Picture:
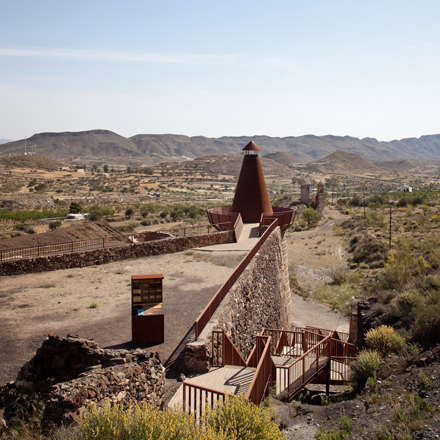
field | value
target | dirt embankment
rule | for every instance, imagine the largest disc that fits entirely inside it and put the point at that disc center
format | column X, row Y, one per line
column 75, row 232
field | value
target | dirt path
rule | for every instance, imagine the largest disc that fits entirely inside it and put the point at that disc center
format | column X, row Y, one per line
column 312, row 254
column 62, row 302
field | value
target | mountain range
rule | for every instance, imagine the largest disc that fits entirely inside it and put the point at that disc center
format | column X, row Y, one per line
column 104, row 146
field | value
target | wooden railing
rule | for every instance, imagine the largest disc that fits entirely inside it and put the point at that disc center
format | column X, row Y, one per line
column 209, row 310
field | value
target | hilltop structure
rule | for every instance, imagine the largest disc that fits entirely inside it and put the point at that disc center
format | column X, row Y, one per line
column 251, row 200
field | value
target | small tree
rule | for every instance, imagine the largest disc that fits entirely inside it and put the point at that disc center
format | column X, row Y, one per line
column 128, row 213
column 310, row 215
column 75, row 208
column 105, row 168
column 333, row 183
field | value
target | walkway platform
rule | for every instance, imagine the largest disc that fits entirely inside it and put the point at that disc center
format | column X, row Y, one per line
column 248, row 239
column 228, row 379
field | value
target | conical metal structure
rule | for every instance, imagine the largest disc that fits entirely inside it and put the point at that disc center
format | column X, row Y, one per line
column 251, row 197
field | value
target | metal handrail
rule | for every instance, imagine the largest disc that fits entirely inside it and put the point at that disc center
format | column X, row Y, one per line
column 83, row 245
column 216, row 300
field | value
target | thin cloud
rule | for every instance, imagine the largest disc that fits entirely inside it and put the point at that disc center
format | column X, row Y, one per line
column 87, row 54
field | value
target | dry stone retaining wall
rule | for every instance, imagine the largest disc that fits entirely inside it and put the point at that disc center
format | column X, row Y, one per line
column 71, row 372
column 260, row 298
column 108, row 255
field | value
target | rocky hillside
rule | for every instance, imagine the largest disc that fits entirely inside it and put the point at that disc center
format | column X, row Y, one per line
column 231, row 165
column 398, row 165
column 30, row 161
column 341, row 162
column 95, row 146
column 285, row 159
column 104, row 146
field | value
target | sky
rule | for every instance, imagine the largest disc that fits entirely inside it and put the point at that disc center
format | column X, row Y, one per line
column 220, row 68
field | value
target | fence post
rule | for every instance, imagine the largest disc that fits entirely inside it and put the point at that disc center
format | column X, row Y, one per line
column 103, row 243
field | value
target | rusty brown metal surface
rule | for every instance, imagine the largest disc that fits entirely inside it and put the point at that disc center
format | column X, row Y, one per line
column 251, row 146
column 251, row 196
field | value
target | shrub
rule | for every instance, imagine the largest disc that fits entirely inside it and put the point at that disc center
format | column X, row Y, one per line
column 234, row 419
column 238, row 418
column 384, row 339
column 129, row 212
column 426, row 327
column 54, row 225
column 397, row 270
column 367, row 365
column 404, row 304
column 338, row 274
column 137, row 423
column 337, row 297
column 75, row 208
column 343, row 433
column 127, row 228
column 310, row 215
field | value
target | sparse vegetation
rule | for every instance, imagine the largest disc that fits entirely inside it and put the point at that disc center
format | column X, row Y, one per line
column 235, row 419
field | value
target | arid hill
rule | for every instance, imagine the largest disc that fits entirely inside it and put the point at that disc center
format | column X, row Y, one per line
column 85, row 147
column 398, row 165
column 283, row 158
column 75, row 232
column 230, row 165
column 104, row 146
column 30, row 161
column 341, row 162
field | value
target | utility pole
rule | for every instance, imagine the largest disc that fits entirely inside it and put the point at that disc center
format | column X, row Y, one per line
column 391, row 207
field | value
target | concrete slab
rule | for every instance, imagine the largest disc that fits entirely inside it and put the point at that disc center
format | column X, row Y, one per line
column 247, row 241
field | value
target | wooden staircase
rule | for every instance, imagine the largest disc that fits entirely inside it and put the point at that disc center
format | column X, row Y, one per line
column 287, row 360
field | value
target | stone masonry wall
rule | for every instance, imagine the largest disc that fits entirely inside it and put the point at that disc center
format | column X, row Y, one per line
column 107, row 255
column 259, row 299
column 68, row 373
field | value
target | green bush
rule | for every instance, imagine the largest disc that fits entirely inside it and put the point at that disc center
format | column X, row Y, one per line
column 384, row 339
column 367, row 365
column 338, row 298
column 338, row 274
column 310, row 216
column 54, row 225
column 343, row 433
column 404, row 305
column 426, row 327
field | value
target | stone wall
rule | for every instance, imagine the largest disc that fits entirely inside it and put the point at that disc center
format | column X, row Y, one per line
column 108, row 255
column 260, row 298
column 68, row 373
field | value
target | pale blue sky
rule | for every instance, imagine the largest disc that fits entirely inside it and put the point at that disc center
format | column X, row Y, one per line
column 225, row 68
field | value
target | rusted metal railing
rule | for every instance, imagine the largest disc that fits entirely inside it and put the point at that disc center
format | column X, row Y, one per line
column 65, row 247
column 224, row 352
column 100, row 243
column 185, row 231
column 209, row 310
column 265, row 369
column 291, row 378
column 196, row 398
